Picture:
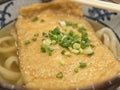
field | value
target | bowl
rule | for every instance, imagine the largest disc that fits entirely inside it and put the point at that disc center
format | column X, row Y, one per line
column 98, row 18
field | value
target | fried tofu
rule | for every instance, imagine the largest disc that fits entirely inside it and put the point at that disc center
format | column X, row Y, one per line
column 39, row 69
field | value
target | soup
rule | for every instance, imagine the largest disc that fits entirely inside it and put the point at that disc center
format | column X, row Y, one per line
column 9, row 66
column 9, row 58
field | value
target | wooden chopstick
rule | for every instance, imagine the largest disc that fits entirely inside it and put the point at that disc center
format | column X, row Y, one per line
column 100, row 4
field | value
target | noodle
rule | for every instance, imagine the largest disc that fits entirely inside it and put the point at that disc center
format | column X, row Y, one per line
column 19, row 82
column 106, row 40
column 3, row 50
column 9, row 62
column 6, row 49
column 5, row 39
column 8, row 74
column 3, row 80
column 13, row 33
column 110, row 40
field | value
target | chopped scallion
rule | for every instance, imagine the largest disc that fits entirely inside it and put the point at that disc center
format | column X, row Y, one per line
column 82, row 65
column 42, row 20
column 75, row 51
column 36, row 35
column 34, row 39
column 90, row 54
column 56, row 31
column 76, row 70
column 34, row 19
column 71, row 33
column 27, row 42
column 92, row 45
column 62, row 23
column 49, row 51
column 59, row 75
column 81, row 50
column 44, row 34
column 53, row 42
column 88, row 51
column 74, row 25
column 67, row 53
column 76, row 45
column 63, row 52
column 81, row 30
column 43, row 48
column 62, row 62
column 70, row 48
column 47, row 42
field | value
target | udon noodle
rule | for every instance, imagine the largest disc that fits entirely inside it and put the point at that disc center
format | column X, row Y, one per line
column 110, row 40
column 8, row 74
column 9, row 59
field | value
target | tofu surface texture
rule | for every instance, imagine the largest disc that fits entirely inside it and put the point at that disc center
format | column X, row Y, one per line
column 39, row 69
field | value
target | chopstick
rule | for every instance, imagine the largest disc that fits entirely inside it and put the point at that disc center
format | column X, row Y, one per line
column 100, row 4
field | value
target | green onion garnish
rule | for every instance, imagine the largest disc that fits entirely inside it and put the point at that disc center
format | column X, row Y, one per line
column 34, row 19
column 46, row 48
column 62, row 62
column 92, row 45
column 59, row 75
column 76, row 46
column 63, row 52
column 27, row 42
column 42, row 20
column 81, row 30
column 66, row 42
column 44, row 34
column 34, row 39
column 36, row 35
column 74, row 25
column 81, row 50
column 82, row 65
column 90, row 54
column 84, row 44
column 47, row 42
column 43, row 48
column 75, row 51
column 49, row 51
column 74, row 42
column 67, row 53
column 71, row 33
column 53, row 42
column 56, row 31
column 76, row 70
